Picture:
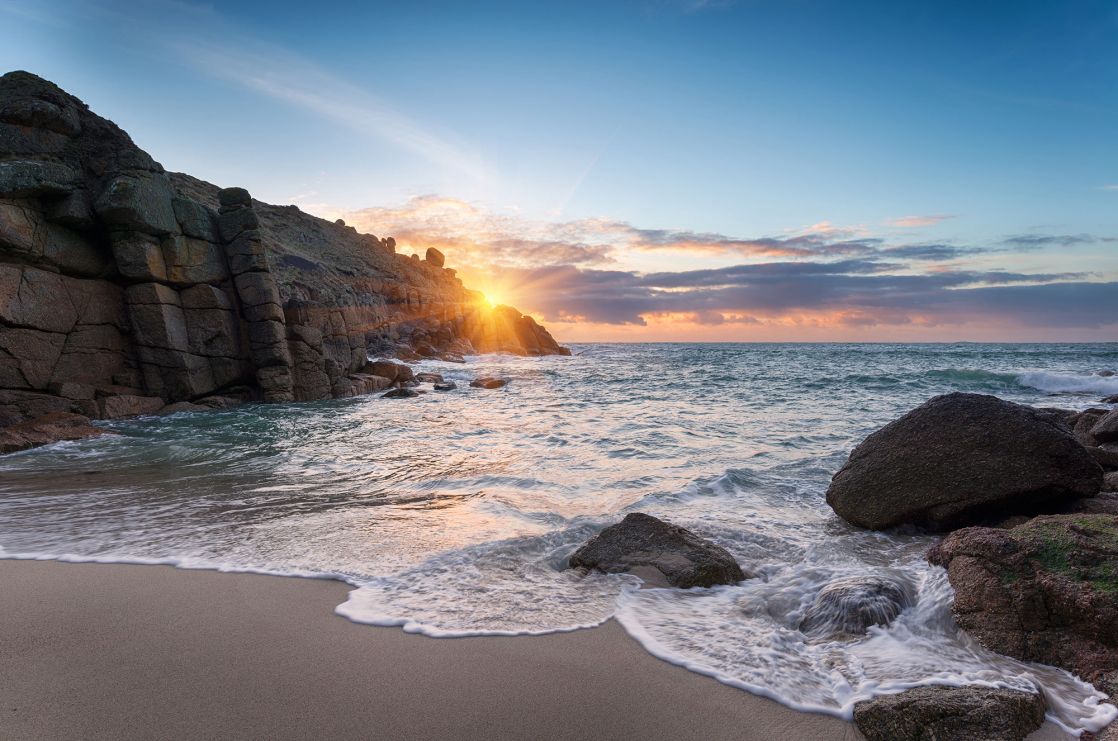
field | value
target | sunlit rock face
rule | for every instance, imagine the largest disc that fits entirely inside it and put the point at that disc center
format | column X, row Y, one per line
column 118, row 278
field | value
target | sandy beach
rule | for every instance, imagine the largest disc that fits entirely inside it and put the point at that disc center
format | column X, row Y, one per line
column 118, row 651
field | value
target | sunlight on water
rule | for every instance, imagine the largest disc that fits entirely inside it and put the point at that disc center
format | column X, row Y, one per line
column 455, row 513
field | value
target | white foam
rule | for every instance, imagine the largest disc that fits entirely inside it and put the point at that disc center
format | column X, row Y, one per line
column 1056, row 383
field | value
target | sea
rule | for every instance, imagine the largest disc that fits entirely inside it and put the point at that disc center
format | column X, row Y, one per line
column 454, row 514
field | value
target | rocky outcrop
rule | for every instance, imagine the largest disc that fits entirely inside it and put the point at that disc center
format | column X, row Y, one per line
column 119, row 279
column 658, row 552
column 48, row 428
column 1044, row 591
column 960, row 459
column 956, row 713
column 847, row 607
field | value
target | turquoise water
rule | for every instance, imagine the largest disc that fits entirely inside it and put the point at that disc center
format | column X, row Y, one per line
column 455, row 513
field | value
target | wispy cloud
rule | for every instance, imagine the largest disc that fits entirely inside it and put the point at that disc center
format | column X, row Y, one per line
column 914, row 222
column 202, row 37
column 1110, row 187
column 1038, row 241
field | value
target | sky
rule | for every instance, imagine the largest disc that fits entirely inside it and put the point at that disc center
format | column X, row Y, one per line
column 648, row 170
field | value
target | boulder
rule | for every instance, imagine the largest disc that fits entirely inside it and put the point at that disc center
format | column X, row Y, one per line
column 848, row 606
column 1106, row 429
column 660, row 553
column 115, row 407
column 138, row 203
column 1105, row 455
column 446, row 386
column 488, row 383
column 1045, row 591
column 1113, row 399
column 1110, row 482
column 49, row 428
column 959, row 459
column 951, row 713
column 387, row 369
column 400, row 393
column 435, row 257
column 429, row 377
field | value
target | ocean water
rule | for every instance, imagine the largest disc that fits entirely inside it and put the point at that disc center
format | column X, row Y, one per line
column 454, row 514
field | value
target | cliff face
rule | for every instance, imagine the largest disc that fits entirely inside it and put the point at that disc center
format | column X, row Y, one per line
column 123, row 287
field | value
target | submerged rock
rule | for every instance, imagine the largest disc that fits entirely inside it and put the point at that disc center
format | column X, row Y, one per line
column 849, row 606
column 658, row 551
column 49, row 428
column 1044, row 591
column 951, row 713
column 488, row 383
column 446, row 386
column 960, row 459
column 400, row 393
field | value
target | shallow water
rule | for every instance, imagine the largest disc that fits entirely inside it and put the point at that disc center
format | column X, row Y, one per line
column 455, row 513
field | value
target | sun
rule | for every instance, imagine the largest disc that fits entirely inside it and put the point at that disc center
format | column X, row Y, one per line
column 492, row 299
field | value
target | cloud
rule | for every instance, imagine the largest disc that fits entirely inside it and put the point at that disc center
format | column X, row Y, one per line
column 1037, row 241
column 912, row 222
column 931, row 252
column 1110, row 187
column 572, row 272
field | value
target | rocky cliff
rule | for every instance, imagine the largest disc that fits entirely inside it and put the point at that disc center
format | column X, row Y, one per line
column 124, row 287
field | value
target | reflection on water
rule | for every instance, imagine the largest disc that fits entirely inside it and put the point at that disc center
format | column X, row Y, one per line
column 456, row 512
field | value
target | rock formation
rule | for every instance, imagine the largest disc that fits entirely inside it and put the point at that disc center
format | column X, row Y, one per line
column 959, row 459
column 847, row 607
column 658, row 551
column 1044, row 591
column 124, row 287
column 960, row 713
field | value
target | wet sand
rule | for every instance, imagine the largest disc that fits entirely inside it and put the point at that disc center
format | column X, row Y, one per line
column 119, row 652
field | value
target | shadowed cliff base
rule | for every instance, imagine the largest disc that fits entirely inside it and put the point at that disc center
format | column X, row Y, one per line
column 124, row 287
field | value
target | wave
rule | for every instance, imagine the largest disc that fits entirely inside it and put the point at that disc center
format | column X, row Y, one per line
column 1069, row 383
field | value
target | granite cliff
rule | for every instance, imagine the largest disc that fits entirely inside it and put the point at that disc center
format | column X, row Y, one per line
column 124, row 287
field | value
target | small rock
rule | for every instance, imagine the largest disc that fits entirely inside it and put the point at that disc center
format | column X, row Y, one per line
column 340, row 222
column 1111, row 399
column 429, row 377
column 488, row 383
column 1110, row 482
column 658, row 551
column 962, row 713
column 446, row 386
column 850, row 605
column 400, row 393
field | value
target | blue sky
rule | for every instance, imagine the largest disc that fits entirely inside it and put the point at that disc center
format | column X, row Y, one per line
column 963, row 125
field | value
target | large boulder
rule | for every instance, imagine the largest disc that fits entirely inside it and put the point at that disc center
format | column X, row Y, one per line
column 1044, row 591
column 951, row 713
column 49, row 428
column 435, row 257
column 658, row 552
column 960, row 459
column 1106, row 429
column 848, row 606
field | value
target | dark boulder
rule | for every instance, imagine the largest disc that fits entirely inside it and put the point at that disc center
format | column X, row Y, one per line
column 488, row 383
column 847, row 607
column 658, row 551
column 1113, row 399
column 429, row 377
column 446, row 386
column 388, row 369
column 955, row 713
column 960, row 459
column 1106, row 429
column 1044, row 591
column 400, row 393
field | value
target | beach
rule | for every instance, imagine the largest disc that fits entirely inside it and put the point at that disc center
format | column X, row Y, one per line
column 125, row 651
